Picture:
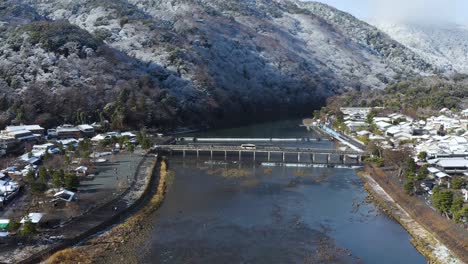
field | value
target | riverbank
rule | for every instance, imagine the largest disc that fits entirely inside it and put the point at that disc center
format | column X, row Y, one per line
column 116, row 244
column 451, row 249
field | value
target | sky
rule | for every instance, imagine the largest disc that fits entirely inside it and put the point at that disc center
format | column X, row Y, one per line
column 414, row 10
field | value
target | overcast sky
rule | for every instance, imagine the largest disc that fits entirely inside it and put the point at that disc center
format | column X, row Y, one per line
column 416, row 10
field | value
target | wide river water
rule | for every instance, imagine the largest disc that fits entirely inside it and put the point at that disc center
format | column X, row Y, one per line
column 249, row 213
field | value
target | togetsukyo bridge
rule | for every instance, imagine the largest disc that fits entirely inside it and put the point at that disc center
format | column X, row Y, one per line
column 271, row 153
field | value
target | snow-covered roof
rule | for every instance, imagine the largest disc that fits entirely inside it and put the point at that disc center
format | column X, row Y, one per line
column 442, row 175
column 23, row 127
column 81, row 168
column 455, row 162
column 65, row 195
column 85, row 127
column 363, row 133
column 128, row 134
column 384, row 119
column 433, row 170
column 382, row 124
column 376, row 137
column 33, row 217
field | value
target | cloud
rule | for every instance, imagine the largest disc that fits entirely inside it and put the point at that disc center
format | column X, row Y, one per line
column 417, row 10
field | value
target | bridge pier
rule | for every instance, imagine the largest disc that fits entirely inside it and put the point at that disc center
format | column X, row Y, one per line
column 198, row 154
column 225, row 155
column 211, row 154
column 298, row 157
column 344, row 159
column 269, row 154
column 254, row 155
column 313, row 158
column 183, row 153
column 240, row 151
column 328, row 158
column 284, row 157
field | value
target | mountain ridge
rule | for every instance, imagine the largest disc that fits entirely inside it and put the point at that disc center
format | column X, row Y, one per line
column 443, row 44
column 195, row 62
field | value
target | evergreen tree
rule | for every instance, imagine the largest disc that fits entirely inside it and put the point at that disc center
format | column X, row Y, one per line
column 71, row 181
column 442, row 200
column 458, row 183
column 409, row 187
column 28, row 229
column 457, row 204
column 43, row 175
column 57, row 179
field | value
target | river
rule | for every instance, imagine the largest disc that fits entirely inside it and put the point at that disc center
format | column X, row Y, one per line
column 249, row 213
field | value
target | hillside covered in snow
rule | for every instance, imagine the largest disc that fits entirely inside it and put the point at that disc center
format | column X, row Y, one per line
column 444, row 45
column 166, row 63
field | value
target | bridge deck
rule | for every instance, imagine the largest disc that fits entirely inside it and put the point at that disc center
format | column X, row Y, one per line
column 250, row 140
column 259, row 149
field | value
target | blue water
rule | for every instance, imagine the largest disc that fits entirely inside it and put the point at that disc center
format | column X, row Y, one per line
column 271, row 214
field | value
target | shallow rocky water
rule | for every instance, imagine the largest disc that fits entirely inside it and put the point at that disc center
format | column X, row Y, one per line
column 230, row 212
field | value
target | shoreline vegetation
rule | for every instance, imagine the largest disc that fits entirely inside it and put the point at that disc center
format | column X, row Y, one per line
column 436, row 247
column 116, row 244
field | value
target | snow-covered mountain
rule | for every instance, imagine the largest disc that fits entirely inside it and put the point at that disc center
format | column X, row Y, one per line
column 159, row 62
column 444, row 45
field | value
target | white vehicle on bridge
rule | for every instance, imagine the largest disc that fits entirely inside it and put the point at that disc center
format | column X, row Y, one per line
column 248, row 146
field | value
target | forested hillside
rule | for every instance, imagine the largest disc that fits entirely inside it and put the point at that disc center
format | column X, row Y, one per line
column 172, row 63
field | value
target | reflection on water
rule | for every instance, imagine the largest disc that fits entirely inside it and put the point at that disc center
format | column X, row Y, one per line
column 228, row 212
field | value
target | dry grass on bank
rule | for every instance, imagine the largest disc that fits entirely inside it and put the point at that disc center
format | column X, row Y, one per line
column 449, row 233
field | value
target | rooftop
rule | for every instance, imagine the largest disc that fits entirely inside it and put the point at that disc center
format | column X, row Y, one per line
column 23, row 127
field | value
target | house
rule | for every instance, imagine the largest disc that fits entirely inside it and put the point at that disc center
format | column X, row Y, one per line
column 356, row 125
column 9, row 145
column 4, row 223
column 40, row 150
column 453, row 165
column 68, row 131
column 358, row 113
column 64, row 195
column 442, row 178
column 465, row 113
column 130, row 135
column 432, row 172
column 363, row 133
column 20, row 135
column 382, row 125
column 34, row 129
column 384, row 119
column 35, row 218
column 8, row 186
column 400, row 136
column 86, row 130
column 69, row 142
column 7, row 140
column 81, row 171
